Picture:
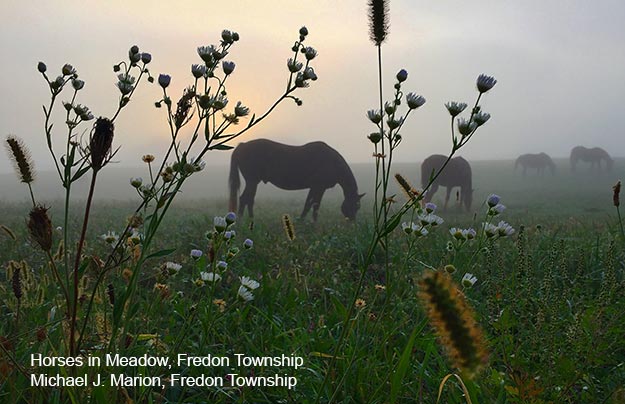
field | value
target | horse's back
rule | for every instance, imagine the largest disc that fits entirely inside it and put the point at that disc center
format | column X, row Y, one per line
column 456, row 173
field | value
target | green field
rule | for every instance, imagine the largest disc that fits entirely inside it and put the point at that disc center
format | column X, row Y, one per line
column 550, row 299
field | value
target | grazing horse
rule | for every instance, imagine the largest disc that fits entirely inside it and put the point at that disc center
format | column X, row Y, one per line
column 456, row 173
column 315, row 166
column 594, row 156
column 538, row 161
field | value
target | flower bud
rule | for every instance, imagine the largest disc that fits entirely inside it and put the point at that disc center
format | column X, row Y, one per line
column 164, row 80
column 402, row 75
column 42, row 67
column 146, row 58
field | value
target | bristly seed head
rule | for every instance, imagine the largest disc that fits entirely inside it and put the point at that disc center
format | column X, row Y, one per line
column 405, row 186
column 289, row 229
column 454, row 322
column 22, row 161
column 616, row 196
column 378, row 21
column 40, row 227
column 101, row 142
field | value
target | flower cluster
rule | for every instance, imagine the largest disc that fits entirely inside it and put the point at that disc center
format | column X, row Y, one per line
column 426, row 221
column 495, row 208
column 467, row 126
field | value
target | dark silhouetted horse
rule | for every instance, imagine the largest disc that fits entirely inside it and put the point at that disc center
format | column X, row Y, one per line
column 538, row 161
column 594, row 156
column 457, row 173
column 315, row 166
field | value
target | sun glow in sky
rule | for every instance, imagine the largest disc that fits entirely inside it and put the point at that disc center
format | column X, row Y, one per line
column 560, row 67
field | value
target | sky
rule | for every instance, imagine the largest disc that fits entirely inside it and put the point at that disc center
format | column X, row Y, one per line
column 560, row 67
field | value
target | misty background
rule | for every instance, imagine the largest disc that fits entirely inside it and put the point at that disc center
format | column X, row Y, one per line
column 560, row 67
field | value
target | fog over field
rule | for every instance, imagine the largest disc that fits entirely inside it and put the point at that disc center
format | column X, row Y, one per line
column 559, row 64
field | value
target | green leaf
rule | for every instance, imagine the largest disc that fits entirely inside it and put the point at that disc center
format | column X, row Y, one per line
column 390, row 226
column 402, row 367
column 161, row 253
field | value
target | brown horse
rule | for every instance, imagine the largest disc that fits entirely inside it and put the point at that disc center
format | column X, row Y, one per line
column 538, row 161
column 457, row 173
column 594, row 156
column 315, row 166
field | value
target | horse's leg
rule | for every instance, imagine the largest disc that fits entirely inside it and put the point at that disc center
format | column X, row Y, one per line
column 430, row 194
column 247, row 198
column 307, row 204
column 317, row 194
column 447, row 195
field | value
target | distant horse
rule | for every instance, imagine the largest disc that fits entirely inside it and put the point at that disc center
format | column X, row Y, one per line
column 315, row 166
column 594, row 156
column 538, row 161
column 457, row 173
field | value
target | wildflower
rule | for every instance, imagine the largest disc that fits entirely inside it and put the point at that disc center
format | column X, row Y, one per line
column 136, row 182
column 457, row 233
column 455, row 108
column 504, row 229
column 485, row 83
column 360, row 303
column 230, row 218
column 490, row 230
column 41, row 67
column 466, row 127
column 146, row 58
column 450, row 269
column 100, row 142
column 293, row 65
column 249, row 283
column 134, row 238
column 245, row 294
column 162, row 289
column 110, row 238
column 303, row 31
column 78, row 84
column 493, row 200
column 372, row 316
column 310, row 53
column 408, row 228
column 147, row 158
column 241, row 110
column 68, row 70
column 379, row 287
column 228, row 67
column 449, row 247
column 309, row 74
column 206, row 53
column 470, row 234
column 401, row 75
column 414, row 101
column 164, row 80
column 421, row 232
column 198, row 70
column 226, row 37
column 454, row 321
column 196, row 254
column 374, row 116
column 616, row 194
column 210, row 276
column 172, row 267
column 289, row 229
column 378, row 21
column 432, row 219
column 199, row 282
column 481, row 118
column 468, row 280
column 375, row 137
column 247, row 244
column 394, row 123
column 430, row 207
column 496, row 210
column 228, row 234
column 21, row 159
column 222, row 265
column 389, row 107
column 221, row 304
column 220, row 224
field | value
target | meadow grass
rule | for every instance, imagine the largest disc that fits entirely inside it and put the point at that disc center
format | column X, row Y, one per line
column 549, row 300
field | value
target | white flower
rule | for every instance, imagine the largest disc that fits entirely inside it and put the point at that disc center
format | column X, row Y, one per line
column 374, row 116
column 504, row 229
column 430, row 219
column 172, row 267
column 135, row 237
column 457, row 233
column 408, row 228
column 470, row 234
column 468, row 280
column 210, row 277
column 249, row 283
column 110, row 238
column 430, row 207
column 455, row 108
column 485, row 83
column 490, row 230
column 220, row 224
column 414, row 101
column 466, row 127
column 196, row 254
column 198, row 70
column 496, row 210
column 481, row 118
column 294, row 66
column 422, row 232
column 245, row 294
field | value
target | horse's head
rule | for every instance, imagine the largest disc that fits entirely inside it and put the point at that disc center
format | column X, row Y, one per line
column 350, row 206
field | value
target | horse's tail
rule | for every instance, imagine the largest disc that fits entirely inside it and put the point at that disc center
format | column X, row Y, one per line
column 234, row 182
